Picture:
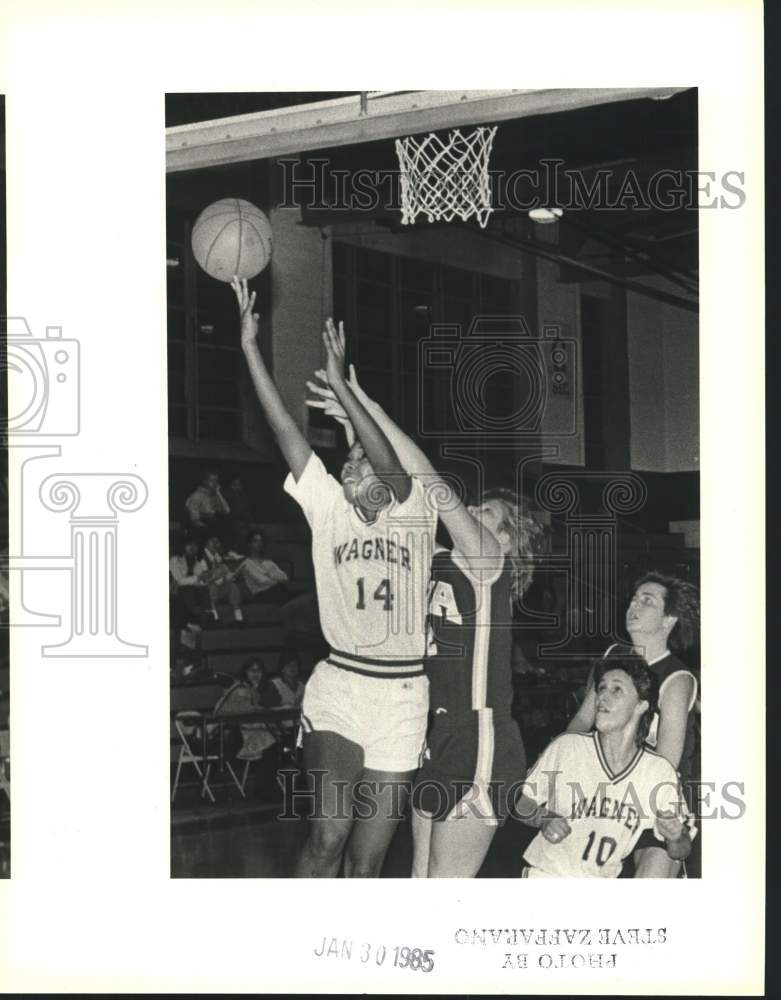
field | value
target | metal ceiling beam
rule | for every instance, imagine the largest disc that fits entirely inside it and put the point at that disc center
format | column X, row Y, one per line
column 537, row 249
column 385, row 114
column 652, row 260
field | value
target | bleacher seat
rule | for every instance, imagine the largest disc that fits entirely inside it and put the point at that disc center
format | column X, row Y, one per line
column 255, row 639
column 254, row 614
column 231, row 662
column 225, row 650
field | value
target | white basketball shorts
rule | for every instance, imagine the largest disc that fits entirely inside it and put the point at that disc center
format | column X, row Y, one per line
column 385, row 716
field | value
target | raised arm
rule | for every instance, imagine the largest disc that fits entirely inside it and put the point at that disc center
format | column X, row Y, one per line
column 468, row 535
column 379, row 451
column 291, row 441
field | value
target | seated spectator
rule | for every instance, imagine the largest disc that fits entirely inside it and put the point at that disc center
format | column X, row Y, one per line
column 262, row 578
column 244, row 696
column 241, row 513
column 258, row 743
column 207, row 508
column 221, row 577
column 286, row 690
column 188, row 665
column 189, row 581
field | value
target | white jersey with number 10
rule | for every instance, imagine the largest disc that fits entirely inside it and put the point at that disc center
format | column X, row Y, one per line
column 608, row 813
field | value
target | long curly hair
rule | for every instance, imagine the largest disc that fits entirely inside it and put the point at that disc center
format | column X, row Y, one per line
column 526, row 538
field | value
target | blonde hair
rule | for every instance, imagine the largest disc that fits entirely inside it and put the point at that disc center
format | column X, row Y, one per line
column 526, row 538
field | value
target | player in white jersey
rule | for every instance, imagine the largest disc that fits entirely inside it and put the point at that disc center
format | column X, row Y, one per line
column 474, row 755
column 597, row 797
column 662, row 619
column 365, row 707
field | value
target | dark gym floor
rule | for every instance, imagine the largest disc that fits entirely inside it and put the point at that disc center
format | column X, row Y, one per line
column 253, row 843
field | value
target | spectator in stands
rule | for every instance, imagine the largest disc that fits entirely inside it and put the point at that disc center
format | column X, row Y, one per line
column 241, row 513
column 188, row 665
column 189, row 580
column 258, row 743
column 207, row 508
column 286, row 690
column 263, row 579
column 221, row 577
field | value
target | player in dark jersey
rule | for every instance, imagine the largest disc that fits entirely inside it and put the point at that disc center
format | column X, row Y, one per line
column 474, row 755
column 474, row 751
column 662, row 620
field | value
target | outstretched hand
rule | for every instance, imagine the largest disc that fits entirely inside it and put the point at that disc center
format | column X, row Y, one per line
column 248, row 318
column 330, row 405
column 352, row 381
column 335, row 350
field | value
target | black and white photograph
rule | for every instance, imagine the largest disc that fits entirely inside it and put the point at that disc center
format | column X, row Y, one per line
column 382, row 499
column 433, row 414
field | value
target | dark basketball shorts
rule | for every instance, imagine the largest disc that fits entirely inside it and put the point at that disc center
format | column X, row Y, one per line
column 471, row 764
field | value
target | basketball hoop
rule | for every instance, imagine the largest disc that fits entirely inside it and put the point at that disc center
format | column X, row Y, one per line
column 446, row 178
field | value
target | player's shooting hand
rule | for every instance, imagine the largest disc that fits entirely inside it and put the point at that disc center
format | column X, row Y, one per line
column 247, row 318
column 335, row 349
column 669, row 825
column 555, row 829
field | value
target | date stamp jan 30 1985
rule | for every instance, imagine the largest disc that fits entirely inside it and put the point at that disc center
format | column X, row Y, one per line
column 393, row 956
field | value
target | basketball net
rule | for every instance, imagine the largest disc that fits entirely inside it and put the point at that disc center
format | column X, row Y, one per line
column 446, row 178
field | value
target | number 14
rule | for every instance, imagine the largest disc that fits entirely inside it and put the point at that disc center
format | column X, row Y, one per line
column 382, row 593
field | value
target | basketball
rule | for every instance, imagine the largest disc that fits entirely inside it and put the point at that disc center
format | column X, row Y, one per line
column 232, row 236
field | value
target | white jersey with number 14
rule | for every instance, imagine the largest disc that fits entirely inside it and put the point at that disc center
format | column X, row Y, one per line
column 371, row 578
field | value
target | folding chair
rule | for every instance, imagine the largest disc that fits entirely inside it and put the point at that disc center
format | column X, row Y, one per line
column 187, row 725
column 188, row 735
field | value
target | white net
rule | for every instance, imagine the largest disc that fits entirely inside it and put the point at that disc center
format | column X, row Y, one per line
column 446, row 178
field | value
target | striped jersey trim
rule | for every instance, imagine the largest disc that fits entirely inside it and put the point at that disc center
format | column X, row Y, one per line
column 615, row 778
column 482, row 632
column 369, row 667
column 485, row 747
